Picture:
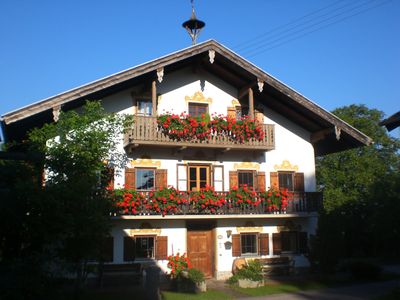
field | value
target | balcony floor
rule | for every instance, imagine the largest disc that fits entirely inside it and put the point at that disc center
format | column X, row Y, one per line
column 215, row 216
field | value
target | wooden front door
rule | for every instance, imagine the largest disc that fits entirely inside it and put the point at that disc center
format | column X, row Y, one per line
column 199, row 177
column 200, row 250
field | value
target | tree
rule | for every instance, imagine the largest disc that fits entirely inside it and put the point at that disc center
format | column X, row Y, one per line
column 78, row 151
column 360, row 185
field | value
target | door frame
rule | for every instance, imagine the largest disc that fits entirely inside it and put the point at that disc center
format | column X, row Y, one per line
column 200, row 225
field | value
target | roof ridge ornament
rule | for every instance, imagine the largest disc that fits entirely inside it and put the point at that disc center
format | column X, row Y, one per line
column 193, row 25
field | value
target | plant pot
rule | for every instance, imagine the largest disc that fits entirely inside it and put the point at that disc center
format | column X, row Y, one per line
column 201, row 287
column 247, row 283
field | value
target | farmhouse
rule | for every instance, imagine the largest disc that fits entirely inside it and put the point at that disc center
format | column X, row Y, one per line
column 221, row 158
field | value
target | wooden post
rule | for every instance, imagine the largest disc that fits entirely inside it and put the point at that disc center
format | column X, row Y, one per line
column 251, row 103
column 154, row 97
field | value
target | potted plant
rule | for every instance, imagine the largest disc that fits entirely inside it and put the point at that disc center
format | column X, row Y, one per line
column 250, row 276
column 243, row 197
column 197, row 278
column 166, row 201
column 128, row 201
column 206, row 200
column 275, row 200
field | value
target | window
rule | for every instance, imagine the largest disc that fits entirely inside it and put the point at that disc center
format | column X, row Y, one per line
column 199, row 177
column 197, row 109
column 144, row 247
column 246, row 177
column 145, row 179
column 289, row 241
column 248, row 242
column 241, row 111
column 144, row 107
column 286, row 180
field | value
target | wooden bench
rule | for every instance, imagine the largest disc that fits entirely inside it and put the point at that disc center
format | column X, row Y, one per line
column 282, row 265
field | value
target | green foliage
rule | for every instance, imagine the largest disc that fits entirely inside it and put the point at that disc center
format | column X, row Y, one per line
column 195, row 275
column 361, row 194
column 253, row 271
column 75, row 150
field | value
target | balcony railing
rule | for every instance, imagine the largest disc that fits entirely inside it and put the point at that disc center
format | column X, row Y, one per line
column 299, row 202
column 145, row 131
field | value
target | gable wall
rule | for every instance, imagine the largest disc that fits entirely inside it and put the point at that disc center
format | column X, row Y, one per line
column 291, row 141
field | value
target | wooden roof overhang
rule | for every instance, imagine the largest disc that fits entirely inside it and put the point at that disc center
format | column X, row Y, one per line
column 328, row 133
column 392, row 122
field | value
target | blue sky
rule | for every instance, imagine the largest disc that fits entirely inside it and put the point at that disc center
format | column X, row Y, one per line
column 47, row 47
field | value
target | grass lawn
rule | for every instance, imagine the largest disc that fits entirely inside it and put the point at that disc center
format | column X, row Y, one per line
column 209, row 295
column 278, row 288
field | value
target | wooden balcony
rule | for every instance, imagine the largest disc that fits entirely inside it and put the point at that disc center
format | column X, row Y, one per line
column 300, row 204
column 145, row 131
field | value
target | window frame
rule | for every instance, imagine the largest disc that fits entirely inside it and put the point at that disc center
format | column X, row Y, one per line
column 256, row 240
column 288, row 235
column 280, row 181
column 197, row 167
column 197, row 105
column 254, row 176
column 144, row 99
column 136, row 237
column 136, row 179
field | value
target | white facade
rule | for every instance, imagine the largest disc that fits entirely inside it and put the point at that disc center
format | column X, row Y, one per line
column 293, row 152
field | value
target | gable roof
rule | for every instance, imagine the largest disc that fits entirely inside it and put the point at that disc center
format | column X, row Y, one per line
column 228, row 65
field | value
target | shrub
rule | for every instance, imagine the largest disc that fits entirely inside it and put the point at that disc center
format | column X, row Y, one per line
column 253, row 271
column 233, row 279
column 195, row 275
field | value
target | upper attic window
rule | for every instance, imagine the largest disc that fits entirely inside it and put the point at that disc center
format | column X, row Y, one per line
column 197, row 109
column 144, row 107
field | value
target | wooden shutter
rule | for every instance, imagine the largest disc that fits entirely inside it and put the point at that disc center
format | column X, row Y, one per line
column 232, row 112
column 129, row 248
column 299, row 182
column 161, row 178
column 274, row 180
column 161, row 247
column 259, row 116
column 130, row 178
column 276, row 243
column 303, row 242
column 236, row 245
column 107, row 252
column 233, row 179
column 261, row 181
column 264, row 243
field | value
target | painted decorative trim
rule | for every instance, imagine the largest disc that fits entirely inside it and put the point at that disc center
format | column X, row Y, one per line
column 286, row 166
column 160, row 74
column 235, row 102
column 198, row 97
column 260, row 84
column 246, row 165
column 211, row 55
column 156, row 231
column 249, row 229
column 145, row 162
column 56, row 112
